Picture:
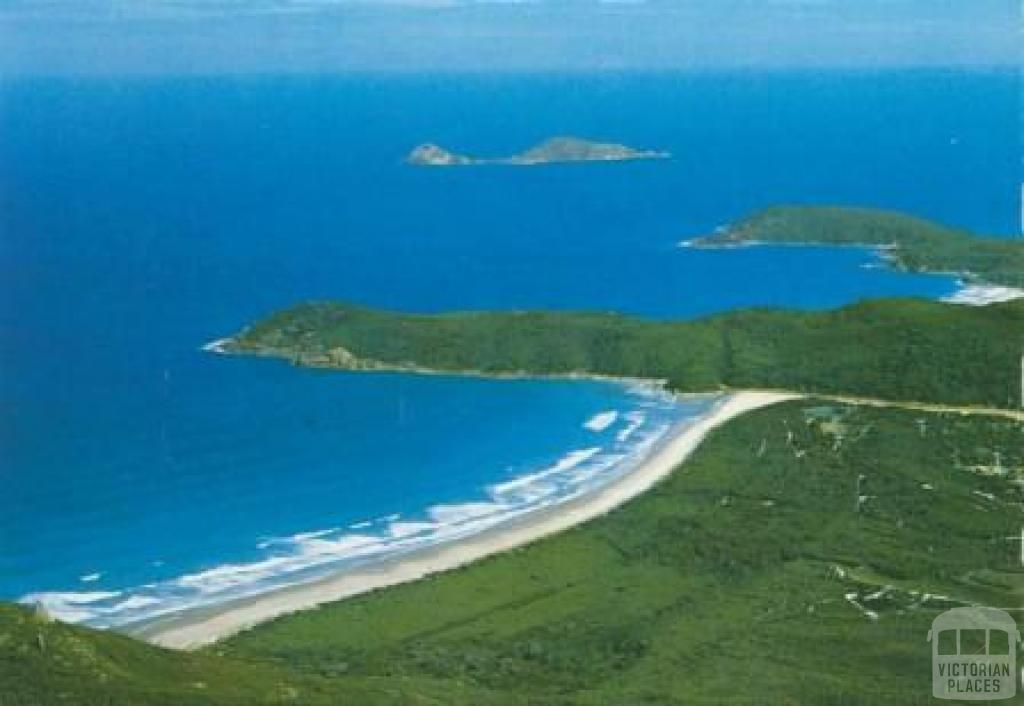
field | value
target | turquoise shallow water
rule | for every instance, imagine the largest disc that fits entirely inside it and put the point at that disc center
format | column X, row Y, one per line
column 141, row 218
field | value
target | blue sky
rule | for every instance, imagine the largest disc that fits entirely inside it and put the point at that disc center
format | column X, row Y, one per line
column 216, row 36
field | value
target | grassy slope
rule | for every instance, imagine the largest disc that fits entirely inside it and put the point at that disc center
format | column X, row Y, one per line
column 920, row 245
column 893, row 349
column 725, row 584
column 722, row 583
column 46, row 663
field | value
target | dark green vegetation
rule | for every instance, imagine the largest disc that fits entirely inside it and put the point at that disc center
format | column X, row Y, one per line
column 44, row 662
column 754, row 575
column 892, row 349
column 912, row 243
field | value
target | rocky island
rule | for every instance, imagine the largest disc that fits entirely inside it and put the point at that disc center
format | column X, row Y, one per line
column 556, row 150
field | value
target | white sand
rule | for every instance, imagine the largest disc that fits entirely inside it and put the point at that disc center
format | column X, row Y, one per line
column 202, row 627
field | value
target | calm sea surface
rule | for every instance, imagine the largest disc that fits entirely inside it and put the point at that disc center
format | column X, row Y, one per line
column 141, row 218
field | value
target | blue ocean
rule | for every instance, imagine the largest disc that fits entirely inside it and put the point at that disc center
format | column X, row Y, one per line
column 142, row 218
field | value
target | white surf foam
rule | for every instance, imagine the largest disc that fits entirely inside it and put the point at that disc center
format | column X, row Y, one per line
column 307, row 555
column 601, row 421
column 69, row 606
column 135, row 603
column 399, row 530
column 310, row 551
column 345, row 546
column 533, row 486
column 460, row 513
column 228, row 576
column 634, row 420
column 983, row 294
column 217, row 346
column 303, row 536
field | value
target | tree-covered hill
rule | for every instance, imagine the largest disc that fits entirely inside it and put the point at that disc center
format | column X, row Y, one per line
column 910, row 243
column 890, row 349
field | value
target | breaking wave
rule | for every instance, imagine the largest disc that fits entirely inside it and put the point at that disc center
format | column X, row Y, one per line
column 621, row 442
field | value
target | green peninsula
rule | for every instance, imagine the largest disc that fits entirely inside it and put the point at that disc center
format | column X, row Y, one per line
column 553, row 151
column 907, row 242
column 887, row 349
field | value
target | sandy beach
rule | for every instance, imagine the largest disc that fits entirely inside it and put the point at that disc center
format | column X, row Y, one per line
column 193, row 629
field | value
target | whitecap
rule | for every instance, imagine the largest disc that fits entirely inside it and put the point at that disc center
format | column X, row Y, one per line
column 457, row 514
column 311, row 554
column 217, row 346
column 346, row 546
column 601, row 421
column 983, row 294
column 70, row 606
column 533, row 486
column 134, row 603
column 399, row 530
column 226, row 576
column 634, row 420
column 303, row 536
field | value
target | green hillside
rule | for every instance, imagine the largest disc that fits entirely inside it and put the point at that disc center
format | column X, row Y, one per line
column 46, row 663
column 912, row 243
column 891, row 349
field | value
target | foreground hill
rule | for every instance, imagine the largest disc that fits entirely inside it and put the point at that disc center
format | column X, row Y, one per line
column 888, row 349
column 799, row 557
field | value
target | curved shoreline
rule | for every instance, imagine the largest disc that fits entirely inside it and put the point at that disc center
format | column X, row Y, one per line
column 203, row 626
column 356, row 364
column 972, row 290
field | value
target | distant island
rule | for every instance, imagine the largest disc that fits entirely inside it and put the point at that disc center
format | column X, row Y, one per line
column 557, row 150
column 906, row 242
